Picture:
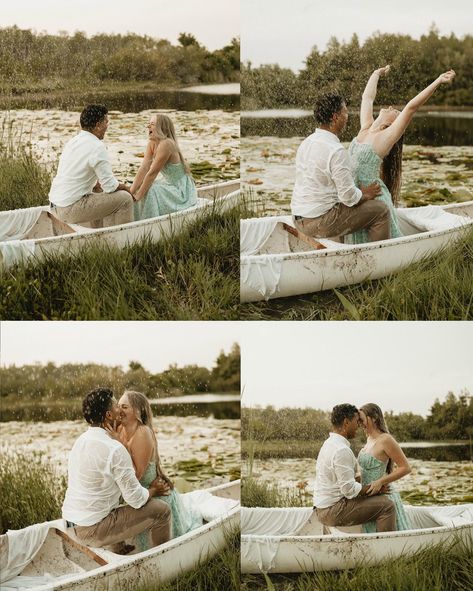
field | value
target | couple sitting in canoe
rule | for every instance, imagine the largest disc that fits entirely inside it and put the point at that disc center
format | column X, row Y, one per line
column 348, row 492
column 352, row 194
column 117, row 460
column 85, row 190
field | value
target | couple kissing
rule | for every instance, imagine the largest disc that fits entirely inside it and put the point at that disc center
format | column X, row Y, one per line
column 349, row 492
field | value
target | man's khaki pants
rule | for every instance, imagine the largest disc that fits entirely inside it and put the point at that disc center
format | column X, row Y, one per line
column 125, row 522
column 341, row 220
column 346, row 512
column 100, row 209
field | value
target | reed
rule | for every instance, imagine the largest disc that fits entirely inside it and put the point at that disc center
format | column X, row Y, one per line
column 256, row 493
column 24, row 182
column 30, row 489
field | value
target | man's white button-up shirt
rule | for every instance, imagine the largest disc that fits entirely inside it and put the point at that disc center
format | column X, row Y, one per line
column 335, row 472
column 100, row 470
column 83, row 162
column 323, row 176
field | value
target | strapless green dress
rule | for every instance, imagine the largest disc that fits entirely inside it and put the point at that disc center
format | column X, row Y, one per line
column 372, row 469
column 183, row 519
column 366, row 167
column 173, row 192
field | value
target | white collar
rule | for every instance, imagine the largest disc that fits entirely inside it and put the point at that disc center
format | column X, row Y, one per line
column 329, row 135
column 340, row 438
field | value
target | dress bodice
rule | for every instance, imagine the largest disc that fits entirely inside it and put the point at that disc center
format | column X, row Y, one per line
column 371, row 468
column 172, row 173
column 365, row 163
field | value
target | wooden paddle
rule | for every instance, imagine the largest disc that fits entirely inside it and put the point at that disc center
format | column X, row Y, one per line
column 59, row 225
column 307, row 239
column 87, row 551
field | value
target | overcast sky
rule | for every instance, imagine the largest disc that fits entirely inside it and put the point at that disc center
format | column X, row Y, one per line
column 213, row 22
column 402, row 366
column 154, row 344
column 282, row 32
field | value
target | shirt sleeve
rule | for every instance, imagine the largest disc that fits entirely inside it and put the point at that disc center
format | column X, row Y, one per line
column 342, row 176
column 122, row 469
column 345, row 473
column 103, row 169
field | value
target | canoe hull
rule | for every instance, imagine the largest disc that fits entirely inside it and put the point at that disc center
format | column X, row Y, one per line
column 221, row 197
column 309, row 272
column 298, row 554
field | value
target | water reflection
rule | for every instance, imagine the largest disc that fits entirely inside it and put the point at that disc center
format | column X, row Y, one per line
column 128, row 102
column 434, row 129
column 224, row 409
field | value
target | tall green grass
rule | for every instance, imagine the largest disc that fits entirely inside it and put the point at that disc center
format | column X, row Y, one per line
column 256, row 493
column 191, row 275
column 30, row 489
column 24, row 182
column 437, row 288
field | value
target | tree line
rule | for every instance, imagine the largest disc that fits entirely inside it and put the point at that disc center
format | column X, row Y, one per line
column 49, row 381
column 53, row 62
column 346, row 67
column 450, row 419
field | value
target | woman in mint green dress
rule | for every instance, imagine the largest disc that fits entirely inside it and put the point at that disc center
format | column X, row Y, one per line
column 376, row 152
column 137, row 435
column 381, row 462
column 174, row 190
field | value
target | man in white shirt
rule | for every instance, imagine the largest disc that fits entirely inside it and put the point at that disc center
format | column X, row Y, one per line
column 100, row 471
column 338, row 498
column 84, row 188
column 325, row 200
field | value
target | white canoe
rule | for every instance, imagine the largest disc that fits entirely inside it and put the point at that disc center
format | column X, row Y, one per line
column 34, row 232
column 310, row 549
column 69, row 565
column 275, row 264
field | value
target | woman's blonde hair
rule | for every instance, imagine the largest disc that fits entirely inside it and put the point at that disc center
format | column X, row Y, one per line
column 391, row 173
column 376, row 415
column 165, row 130
column 140, row 404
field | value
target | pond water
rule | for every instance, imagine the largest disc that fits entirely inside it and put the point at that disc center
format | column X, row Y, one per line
column 430, row 175
column 209, row 139
column 219, row 96
column 214, row 406
column 428, row 128
column 197, row 451
column 430, row 482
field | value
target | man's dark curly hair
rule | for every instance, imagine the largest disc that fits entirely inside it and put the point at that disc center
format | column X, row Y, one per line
column 342, row 412
column 326, row 106
column 96, row 404
column 91, row 115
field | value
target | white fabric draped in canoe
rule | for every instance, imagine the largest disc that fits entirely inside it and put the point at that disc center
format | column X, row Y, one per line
column 431, row 218
column 209, row 506
column 267, row 525
column 262, row 275
column 23, row 545
column 14, row 226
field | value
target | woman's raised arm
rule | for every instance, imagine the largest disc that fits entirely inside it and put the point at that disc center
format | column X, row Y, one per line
column 389, row 136
column 369, row 94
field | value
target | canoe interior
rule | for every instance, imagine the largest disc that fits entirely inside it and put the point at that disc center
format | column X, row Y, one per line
column 59, row 558
column 48, row 226
column 280, row 241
